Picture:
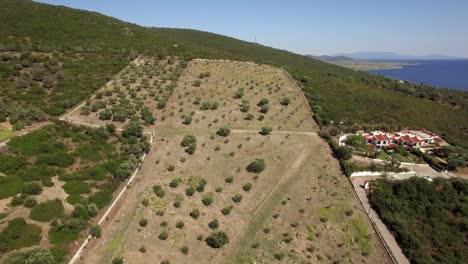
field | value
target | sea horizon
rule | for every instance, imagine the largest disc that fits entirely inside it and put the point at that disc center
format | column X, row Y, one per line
column 440, row 73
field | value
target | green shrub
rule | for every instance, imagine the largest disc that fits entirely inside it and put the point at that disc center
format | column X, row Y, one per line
column 47, row 211
column 184, row 250
column 224, row 131
column 208, row 199
column 118, row 260
column 18, row 234
column 159, row 191
column 190, row 143
column 76, row 187
column 174, row 183
column 63, row 235
column 213, row 224
column 217, row 239
column 189, row 191
column 59, row 253
column 143, row 222
column 10, row 185
column 263, row 101
column 180, row 224
column 246, row 187
column 256, row 166
column 195, row 214
column 95, row 231
column 33, row 188
column 285, row 101
column 187, row 119
column 237, row 198
column 201, row 185
column 266, row 130
column 264, row 109
column 163, row 235
column 229, row 179
column 170, row 167
column 279, row 256
column 30, row 202
column 226, row 210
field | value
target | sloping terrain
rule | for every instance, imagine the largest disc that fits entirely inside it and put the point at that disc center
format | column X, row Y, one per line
column 338, row 94
column 296, row 208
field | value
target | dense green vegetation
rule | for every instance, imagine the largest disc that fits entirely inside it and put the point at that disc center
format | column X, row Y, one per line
column 429, row 219
column 47, row 211
column 83, row 158
column 19, row 234
column 337, row 94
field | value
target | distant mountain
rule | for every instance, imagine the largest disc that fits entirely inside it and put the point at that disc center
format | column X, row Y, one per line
column 384, row 55
column 327, row 58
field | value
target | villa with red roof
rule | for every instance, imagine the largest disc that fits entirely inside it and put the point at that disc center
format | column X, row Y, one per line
column 390, row 140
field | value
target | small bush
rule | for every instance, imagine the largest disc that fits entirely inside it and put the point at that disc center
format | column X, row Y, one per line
column 189, row 191
column 142, row 249
column 30, row 202
column 213, row 224
column 279, row 256
column 174, row 183
column 224, row 131
column 256, row 166
column 143, row 222
column 207, row 199
column 264, row 109
column 237, row 198
column 226, row 210
column 184, row 250
column 247, row 187
column 285, row 101
column 266, row 130
column 229, row 179
column 163, row 235
column 95, row 231
column 159, row 191
column 263, row 101
column 217, row 239
column 195, row 214
column 190, row 143
column 33, row 188
column 180, row 224
column 118, row 260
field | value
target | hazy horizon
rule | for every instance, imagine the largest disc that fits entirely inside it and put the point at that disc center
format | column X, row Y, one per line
column 309, row 27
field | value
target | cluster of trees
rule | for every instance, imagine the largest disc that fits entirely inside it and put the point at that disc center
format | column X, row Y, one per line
column 428, row 218
column 343, row 95
column 20, row 116
column 342, row 153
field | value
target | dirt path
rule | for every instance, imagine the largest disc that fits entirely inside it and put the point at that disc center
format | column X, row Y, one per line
column 278, row 132
column 290, row 172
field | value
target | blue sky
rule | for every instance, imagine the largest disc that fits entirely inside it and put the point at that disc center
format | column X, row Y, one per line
column 318, row 27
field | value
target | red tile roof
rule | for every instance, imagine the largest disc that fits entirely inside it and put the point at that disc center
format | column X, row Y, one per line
column 379, row 137
column 415, row 140
column 405, row 139
column 437, row 139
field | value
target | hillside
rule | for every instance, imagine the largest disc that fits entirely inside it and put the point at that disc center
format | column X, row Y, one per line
column 337, row 94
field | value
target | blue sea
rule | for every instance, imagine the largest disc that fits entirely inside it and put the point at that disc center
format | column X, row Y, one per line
column 451, row 74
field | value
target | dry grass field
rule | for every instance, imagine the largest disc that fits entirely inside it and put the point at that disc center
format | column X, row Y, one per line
column 299, row 209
